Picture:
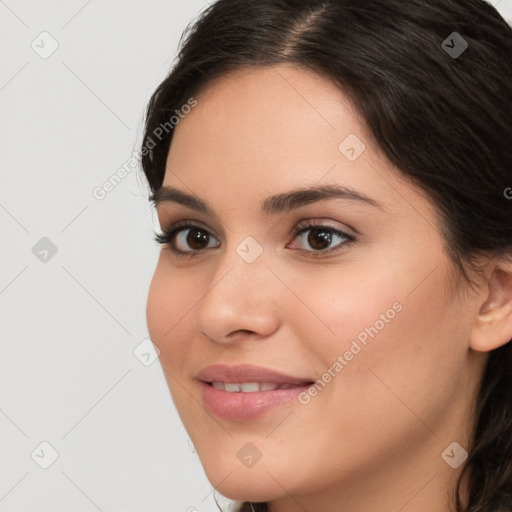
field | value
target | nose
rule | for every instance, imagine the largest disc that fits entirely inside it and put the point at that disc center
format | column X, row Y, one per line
column 240, row 301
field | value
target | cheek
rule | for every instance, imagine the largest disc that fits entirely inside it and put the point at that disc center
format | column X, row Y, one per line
column 168, row 314
column 368, row 336
column 336, row 310
column 412, row 364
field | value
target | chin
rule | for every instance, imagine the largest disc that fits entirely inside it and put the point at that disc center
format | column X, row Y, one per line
column 244, row 484
column 247, row 491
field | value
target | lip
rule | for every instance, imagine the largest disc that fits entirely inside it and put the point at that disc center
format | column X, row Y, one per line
column 247, row 373
column 239, row 406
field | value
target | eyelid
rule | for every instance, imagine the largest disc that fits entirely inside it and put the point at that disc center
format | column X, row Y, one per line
column 190, row 223
column 324, row 222
column 315, row 222
column 311, row 225
column 169, row 235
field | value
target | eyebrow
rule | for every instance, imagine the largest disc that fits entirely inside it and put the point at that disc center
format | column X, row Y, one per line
column 272, row 205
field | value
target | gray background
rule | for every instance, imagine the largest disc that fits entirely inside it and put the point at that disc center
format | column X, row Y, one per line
column 77, row 373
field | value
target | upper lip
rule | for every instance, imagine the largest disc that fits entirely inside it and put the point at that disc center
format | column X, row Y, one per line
column 247, row 373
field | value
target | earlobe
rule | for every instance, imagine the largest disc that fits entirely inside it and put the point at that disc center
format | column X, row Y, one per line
column 493, row 324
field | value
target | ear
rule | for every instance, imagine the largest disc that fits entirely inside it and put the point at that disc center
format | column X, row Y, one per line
column 493, row 325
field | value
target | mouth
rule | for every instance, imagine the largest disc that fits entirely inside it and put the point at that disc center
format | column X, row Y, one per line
column 246, row 377
column 254, row 387
column 245, row 392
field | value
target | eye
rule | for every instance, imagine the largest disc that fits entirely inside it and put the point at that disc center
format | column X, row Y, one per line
column 185, row 234
column 321, row 237
column 187, row 239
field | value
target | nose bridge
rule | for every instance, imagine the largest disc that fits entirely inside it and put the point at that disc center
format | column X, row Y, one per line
column 243, row 264
column 240, row 294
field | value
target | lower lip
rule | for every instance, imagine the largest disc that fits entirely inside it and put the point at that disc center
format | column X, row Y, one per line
column 240, row 406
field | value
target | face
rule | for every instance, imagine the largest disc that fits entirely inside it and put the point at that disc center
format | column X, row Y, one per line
column 351, row 290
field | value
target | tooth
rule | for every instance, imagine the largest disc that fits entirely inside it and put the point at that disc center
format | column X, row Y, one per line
column 288, row 386
column 268, row 386
column 249, row 387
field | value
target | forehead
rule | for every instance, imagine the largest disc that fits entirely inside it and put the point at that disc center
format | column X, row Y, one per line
column 258, row 132
column 275, row 98
column 273, row 119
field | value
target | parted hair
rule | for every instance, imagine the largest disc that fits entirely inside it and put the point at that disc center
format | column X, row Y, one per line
column 444, row 120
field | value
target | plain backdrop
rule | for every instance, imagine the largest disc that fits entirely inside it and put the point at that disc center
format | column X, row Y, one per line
column 87, row 422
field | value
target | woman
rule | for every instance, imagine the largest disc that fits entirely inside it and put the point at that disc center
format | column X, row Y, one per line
column 333, row 298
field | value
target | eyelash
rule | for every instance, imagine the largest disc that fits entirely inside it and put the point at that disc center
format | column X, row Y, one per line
column 167, row 237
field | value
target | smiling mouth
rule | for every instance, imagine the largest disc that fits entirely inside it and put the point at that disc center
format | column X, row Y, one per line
column 247, row 393
column 252, row 387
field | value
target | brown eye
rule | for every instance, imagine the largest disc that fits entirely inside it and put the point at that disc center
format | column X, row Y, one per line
column 185, row 239
column 197, row 239
column 318, row 238
column 191, row 239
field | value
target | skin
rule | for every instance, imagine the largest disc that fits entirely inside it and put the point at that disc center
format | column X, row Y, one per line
column 372, row 439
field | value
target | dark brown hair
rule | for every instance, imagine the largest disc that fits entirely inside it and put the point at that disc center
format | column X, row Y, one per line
column 444, row 120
